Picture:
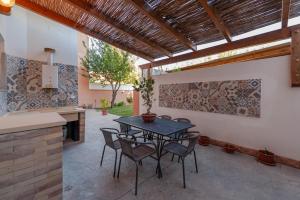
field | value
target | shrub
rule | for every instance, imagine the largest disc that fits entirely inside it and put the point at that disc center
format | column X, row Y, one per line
column 104, row 103
column 121, row 103
column 129, row 99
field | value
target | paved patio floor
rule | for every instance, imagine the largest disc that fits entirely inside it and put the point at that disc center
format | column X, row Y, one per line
column 221, row 176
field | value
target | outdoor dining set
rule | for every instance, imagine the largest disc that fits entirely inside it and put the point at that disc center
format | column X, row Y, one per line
column 138, row 140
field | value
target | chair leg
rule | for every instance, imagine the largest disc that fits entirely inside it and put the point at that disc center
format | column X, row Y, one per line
column 136, row 177
column 119, row 165
column 102, row 155
column 183, row 171
column 115, row 166
column 195, row 161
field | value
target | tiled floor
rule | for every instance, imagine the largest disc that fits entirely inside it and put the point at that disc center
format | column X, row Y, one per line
column 221, row 176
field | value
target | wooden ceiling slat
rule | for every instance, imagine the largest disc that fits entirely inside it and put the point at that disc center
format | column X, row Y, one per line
column 219, row 23
column 251, row 41
column 285, row 13
column 72, row 24
column 89, row 10
column 139, row 4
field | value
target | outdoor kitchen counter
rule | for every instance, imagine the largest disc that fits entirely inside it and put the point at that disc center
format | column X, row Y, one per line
column 29, row 121
column 74, row 116
column 31, row 146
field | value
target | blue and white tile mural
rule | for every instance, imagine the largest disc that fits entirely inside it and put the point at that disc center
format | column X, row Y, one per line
column 237, row 97
column 3, row 102
column 24, row 82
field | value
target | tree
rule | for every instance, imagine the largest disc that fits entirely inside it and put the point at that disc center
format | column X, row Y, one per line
column 108, row 65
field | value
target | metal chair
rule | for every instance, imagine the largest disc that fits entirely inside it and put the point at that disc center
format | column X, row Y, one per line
column 165, row 117
column 128, row 130
column 135, row 153
column 173, row 146
column 109, row 141
column 181, row 134
column 184, row 120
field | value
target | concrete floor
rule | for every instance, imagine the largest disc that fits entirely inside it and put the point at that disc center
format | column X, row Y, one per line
column 221, row 176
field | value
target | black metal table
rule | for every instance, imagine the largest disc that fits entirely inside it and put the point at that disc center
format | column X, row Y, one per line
column 160, row 127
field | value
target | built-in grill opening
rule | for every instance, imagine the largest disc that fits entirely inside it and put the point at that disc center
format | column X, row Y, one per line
column 71, row 132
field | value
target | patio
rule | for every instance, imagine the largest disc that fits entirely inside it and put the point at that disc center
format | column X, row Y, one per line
column 221, row 176
column 229, row 69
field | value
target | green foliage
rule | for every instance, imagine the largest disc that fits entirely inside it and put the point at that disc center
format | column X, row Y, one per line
column 129, row 99
column 108, row 65
column 145, row 86
column 123, row 111
column 121, row 103
column 104, row 103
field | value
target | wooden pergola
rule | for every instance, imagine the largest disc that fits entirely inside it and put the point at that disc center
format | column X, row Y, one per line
column 153, row 29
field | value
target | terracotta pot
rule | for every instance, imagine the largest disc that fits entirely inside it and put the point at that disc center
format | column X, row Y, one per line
column 149, row 117
column 204, row 140
column 266, row 157
column 104, row 112
column 229, row 148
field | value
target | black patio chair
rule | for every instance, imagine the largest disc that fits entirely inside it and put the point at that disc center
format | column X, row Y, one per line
column 173, row 146
column 165, row 117
column 182, row 133
column 109, row 141
column 135, row 151
column 128, row 129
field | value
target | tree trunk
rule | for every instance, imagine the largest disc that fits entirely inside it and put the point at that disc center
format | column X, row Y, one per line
column 113, row 98
column 115, row 89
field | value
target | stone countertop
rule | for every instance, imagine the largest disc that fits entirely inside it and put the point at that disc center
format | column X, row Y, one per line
column 59, row 110
column 29, row 121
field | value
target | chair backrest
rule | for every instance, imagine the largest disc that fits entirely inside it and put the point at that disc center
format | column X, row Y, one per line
column 184, row 120
column 193, row 140
column 126, row 146
column 124, row 127
column 165, row 117
column 107, row 133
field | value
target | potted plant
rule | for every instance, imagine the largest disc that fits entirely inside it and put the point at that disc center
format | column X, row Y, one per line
column 104, row 105
column 266, row 157
column 145, row 86
column 204, row 140
column 229, row 148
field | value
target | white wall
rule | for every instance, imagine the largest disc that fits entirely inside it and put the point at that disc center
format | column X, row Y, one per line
column 26, row 34
column 278, row 128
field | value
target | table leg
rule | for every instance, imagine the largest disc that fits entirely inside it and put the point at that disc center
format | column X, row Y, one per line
column 159, row 152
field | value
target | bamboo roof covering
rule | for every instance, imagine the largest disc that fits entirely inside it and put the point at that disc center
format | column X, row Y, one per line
column 153, row 29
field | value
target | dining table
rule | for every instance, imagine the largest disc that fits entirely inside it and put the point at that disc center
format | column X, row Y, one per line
column 161, row 129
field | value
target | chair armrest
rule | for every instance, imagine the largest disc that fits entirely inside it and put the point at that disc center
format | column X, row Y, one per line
column 111, row 130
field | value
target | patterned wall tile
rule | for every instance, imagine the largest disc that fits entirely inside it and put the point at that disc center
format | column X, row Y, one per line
column 3, row 103
column 25, row 85
column 16, row 83
column 240, row 97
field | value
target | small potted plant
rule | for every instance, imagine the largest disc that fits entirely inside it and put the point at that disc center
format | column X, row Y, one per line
column 229, row 148
column 266, row 157
column 104, row 105
column 204, row 140
column 145, row 86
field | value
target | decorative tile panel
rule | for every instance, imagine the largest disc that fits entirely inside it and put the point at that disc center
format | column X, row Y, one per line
column 25, row 85
column 237, row 97
column 3, row 103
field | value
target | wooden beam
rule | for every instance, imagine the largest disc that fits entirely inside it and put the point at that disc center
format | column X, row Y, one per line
column 140, row 5
column 279, row 50
column 285, row 13
column 74, row 25
column 219, row 23
column 86, row 8
column 251, row 41
column 295, row 62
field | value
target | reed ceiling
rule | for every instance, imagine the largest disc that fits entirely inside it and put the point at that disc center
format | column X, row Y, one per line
column 156, row 28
